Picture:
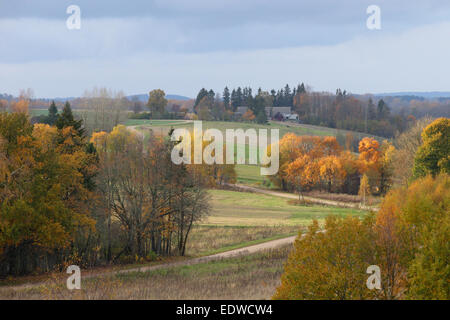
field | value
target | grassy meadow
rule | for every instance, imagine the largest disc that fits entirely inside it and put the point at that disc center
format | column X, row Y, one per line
column 251, row 175
column 232, row 208
column 224, row 125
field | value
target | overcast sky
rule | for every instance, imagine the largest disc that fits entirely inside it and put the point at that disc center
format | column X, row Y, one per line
column 181, row 46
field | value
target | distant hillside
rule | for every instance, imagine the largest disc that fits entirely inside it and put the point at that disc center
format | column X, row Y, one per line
column 140, row 97
column 426, row 95
column 6, row 96
column 144, row 97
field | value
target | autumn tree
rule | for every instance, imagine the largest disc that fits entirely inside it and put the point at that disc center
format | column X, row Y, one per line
column 300, row 174
column 289, row 151
column 157, row 102
column 406, row 239
column 330, row 264
column 433, row 156
column 386, row 166
column 20, row 106
column 412, row 225
column 364, row 189
column 215, row 174
column 331, row 171
column 352, row 177
column 248, row 116
column 406, row 145
column 155, row 201
column 369, row 161
column 43, row 197
column 3, row 105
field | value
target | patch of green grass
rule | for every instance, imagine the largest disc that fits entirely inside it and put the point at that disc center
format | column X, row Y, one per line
column 284, row 128
column 38, row 112
column 254, row 209
column 251, row 175
column 224, row 125
column 153, row 123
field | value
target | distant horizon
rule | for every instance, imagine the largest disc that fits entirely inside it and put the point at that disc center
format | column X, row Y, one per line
column 423, row 94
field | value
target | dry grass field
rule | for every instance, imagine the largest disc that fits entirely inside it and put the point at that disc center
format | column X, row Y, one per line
column 206, row 240
column 254, row 276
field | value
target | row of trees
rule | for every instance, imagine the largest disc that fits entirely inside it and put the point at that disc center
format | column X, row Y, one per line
column 210, row 106
column 344, row 111
column 407, row 239
column 244, row 97
column 155, row 201
column 320, row 163
column 341, row 110
column 67, row 197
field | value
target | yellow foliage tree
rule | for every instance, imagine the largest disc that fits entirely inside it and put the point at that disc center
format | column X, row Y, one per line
column 20, row 106
column 331, row 171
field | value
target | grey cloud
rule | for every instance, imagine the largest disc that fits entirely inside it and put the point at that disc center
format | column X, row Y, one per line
column 216, row 13
column 119, row 28
column 398, row 62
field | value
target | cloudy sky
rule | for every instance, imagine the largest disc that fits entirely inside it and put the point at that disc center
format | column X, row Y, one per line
column 183, row 45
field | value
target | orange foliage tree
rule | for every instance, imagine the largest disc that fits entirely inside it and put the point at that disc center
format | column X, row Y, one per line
column 248, row 115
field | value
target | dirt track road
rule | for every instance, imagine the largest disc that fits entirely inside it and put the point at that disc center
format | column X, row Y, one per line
column 223, row 255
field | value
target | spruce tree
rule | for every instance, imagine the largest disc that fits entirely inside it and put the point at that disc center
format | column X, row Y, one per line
column 301, row 88
column 52, row 114
column 239, row 96
column 226, row 98
column 201, row 94
column 66, row 119
column 234, row 100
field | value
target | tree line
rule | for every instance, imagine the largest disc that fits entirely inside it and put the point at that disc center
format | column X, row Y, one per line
column 340, row 110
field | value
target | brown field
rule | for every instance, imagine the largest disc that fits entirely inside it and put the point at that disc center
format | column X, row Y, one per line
column 205, row 240
column 254, row 276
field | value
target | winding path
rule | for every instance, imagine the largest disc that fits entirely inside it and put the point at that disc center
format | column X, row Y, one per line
column 218, row 256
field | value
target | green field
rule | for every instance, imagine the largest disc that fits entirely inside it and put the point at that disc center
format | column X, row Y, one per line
column 223, row 125
column 251, row 175
column 232, row 208
column 38, row 112
column 44, row 112
column 154, row 123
